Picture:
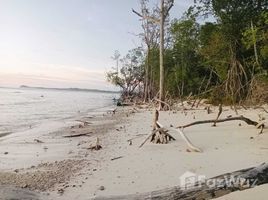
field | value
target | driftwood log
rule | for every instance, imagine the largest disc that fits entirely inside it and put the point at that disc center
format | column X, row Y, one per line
column 206, row 189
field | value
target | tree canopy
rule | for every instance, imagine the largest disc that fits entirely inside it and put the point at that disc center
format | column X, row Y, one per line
column 224, row 60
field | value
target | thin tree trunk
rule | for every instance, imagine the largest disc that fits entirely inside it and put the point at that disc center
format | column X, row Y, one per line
column 161, row 54
column 254, row 44
column 146, row 86
column 147, row 76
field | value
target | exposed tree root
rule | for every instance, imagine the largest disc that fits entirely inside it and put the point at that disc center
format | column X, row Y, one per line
column 97, row 146
column 160, row 135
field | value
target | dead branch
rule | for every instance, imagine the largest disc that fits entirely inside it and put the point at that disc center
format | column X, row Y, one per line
column 97, row 146
column 166, row 131
column 84, row 122
column 116, row 158
column 262, row 127
column 260, row 107
column 199, row 89
column 220, row 111
column 163, row 103
column 153, row 132
column 224, row 184
column 168, row 8
column 77, row 135
column 150, row 18
column 38, row 141
column 137, row 136
column 208, row 109
column 242, row 118
column 188, row 142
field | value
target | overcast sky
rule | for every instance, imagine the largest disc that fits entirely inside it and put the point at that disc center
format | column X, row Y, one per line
column 66, row 43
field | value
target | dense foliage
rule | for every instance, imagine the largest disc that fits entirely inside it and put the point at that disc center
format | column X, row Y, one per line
column 225, row 60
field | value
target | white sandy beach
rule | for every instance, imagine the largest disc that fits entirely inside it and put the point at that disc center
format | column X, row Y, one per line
column 80, row 173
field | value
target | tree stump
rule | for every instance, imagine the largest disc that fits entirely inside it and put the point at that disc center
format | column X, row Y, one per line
column 159, row 135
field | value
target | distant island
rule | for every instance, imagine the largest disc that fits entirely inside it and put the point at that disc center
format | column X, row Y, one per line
column 69, row 89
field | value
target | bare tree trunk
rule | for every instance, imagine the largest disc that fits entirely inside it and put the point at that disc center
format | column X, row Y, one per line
column 161, row 54
column 146, row 85
column 254, row 43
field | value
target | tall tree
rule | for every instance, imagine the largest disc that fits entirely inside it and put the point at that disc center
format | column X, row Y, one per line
column 150, row 37
column 233, row 18
column 165, row 6
column 130, row 75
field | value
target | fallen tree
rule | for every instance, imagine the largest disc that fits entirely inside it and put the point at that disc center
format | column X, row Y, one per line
column 160, row 135
column 202, row 190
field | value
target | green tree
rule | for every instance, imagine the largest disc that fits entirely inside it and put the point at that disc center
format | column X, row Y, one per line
column 131, row 73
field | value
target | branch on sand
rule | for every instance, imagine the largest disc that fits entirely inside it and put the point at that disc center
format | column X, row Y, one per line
column 192, row 148
column 77, row 135
column 224, row 184
column 260, row 107
column 242, row 118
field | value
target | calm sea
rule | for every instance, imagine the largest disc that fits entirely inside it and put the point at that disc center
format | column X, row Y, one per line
column 21, row 109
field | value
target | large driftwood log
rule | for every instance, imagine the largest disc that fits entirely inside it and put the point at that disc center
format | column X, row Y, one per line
column 242, row 118
column 204, row 190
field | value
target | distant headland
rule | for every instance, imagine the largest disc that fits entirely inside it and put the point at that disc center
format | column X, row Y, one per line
column 69, row 89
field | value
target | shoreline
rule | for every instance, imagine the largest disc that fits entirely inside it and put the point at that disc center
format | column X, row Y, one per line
column 119, row 168
column 61, row 122
column 31, row 160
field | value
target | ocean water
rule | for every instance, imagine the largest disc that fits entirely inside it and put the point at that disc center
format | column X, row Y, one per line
column 22, row 109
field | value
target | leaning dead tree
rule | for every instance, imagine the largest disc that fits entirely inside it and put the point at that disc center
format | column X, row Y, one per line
column 206, row 189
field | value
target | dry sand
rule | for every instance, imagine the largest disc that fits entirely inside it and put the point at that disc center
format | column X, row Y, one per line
column 64, row 168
